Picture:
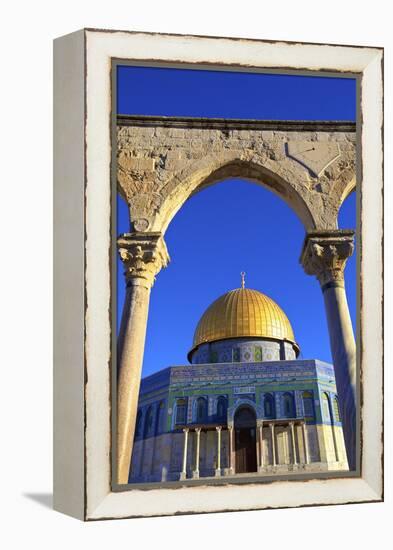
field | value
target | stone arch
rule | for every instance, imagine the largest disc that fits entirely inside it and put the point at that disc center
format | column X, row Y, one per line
column 212, row 169
column 250, row 413
column 243, row 403
column 162, row 162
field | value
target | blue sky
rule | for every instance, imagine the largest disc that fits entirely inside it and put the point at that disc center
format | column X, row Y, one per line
column 235, row 225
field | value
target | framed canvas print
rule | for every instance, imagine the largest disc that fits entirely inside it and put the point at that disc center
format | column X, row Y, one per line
column 218, row 274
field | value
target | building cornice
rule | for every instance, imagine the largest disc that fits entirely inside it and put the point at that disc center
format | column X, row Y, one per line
column 237, row 124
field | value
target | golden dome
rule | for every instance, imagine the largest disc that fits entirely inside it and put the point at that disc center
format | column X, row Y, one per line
column 240, row 313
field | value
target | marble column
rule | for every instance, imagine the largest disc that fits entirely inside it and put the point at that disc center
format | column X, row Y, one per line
column 218, row 468
column 143, row 256
column 305, row 442
column 260, row 445
column 271, row 426
column 293, row 441
column 195, row 473
column 183, row 474
column 231, row 451
column 324, row 255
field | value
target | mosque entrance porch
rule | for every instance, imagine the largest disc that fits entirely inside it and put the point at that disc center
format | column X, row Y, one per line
column 250, row 446
column 245, row 441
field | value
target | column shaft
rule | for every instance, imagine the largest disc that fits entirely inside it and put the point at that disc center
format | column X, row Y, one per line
column 184, row 469
column 218, row 468
column 131, row 347
column 305, row 442
column 273, row 443
column 198, row 437
column 325, row 254
column 261, row 460
column 293, row 442
column 143, row 255
column 342, row 343
column 231, row 450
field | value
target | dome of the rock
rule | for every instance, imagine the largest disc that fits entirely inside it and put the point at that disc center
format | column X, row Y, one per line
column 243, row 313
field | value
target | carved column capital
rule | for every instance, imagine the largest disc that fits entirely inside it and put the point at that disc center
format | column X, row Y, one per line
column 325, row 254
column 143, row 256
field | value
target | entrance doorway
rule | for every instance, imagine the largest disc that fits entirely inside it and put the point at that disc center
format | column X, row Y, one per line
column 245, row 440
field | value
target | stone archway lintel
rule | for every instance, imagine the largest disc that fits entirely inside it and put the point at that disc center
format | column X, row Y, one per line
column 162, row 161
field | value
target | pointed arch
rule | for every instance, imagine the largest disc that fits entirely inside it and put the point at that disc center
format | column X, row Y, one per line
column 288, row 405
column 213, row 169
column 269, row 406
column 201, row 410
column 308, row 405
column 222, row 408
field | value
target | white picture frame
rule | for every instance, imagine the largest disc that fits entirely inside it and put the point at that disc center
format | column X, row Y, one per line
column 82, row 250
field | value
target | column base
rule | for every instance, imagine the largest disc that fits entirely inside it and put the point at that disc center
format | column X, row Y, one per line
column 183, row 476
column 218, row 472
column 229, row 472
column 195, row 474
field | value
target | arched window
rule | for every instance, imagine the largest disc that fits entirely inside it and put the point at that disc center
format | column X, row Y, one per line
column 181, row 411
column 308, row 404
column 268, row 406
column 160, row 418
column 138, row 427
column 336, row 409
column 148, row 422
column 288, row 405
column 327, row 412
column 222, row 406
column 201, row 410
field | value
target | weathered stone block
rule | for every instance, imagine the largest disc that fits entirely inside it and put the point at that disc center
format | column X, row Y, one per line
column 137, row 164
